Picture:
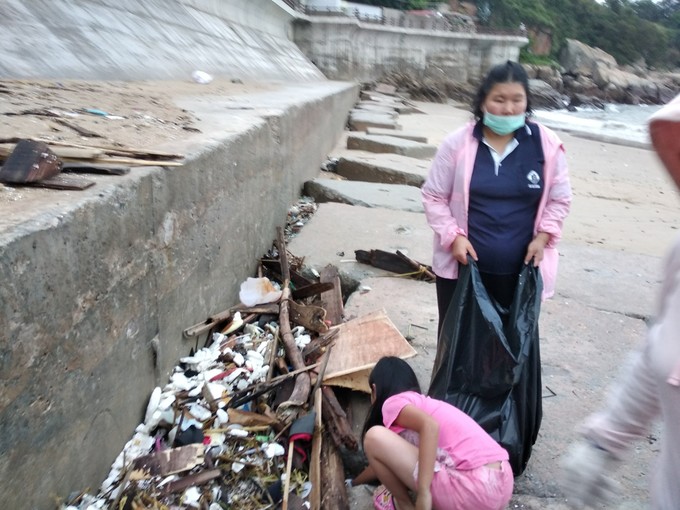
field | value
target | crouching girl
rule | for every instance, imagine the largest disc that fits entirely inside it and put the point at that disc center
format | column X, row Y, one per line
column 416, row 444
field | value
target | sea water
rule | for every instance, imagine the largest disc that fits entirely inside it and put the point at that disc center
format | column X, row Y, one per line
column 625, row 124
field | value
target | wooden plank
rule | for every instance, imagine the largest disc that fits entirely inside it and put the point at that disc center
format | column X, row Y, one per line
column 193, row 479
column 315, row 460
column 167, row 462
column 308, row 316
column 312, row 290
column 332, row 299
column 334, row 492
column 94, row 168
column 363, row 341
column 78, row 129
column 65, row 183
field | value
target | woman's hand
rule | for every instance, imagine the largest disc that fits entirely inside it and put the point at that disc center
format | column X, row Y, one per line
column 461, row 248
column 536, row 247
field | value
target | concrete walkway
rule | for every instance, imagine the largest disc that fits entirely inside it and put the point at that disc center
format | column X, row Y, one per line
column 604, row 295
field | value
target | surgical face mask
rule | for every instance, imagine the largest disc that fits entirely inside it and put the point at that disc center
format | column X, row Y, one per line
column 504, row 124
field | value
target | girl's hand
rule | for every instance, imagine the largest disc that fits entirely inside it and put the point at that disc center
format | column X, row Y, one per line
column 460, row 249
column 536, row 247
column 424, row 500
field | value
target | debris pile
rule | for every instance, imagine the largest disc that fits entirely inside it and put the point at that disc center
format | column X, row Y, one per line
column 250, row 420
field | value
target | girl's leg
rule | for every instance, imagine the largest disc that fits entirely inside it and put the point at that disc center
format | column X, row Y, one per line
column 394, row 460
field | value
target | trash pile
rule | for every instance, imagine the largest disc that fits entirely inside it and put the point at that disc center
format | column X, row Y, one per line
column 250, row 420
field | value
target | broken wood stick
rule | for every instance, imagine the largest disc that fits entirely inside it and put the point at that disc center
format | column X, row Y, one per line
column 308, row 316
column 396, row 263
column 315, row 460
column 312, row 290
column 303, row 385
column 118, row 149
column 80, row 130
column 193, row 479
column 417, row 266
column 331, row 300
column 336, row 421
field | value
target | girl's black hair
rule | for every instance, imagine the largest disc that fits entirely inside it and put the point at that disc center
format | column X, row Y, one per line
column 391, row 375
column 509, row 72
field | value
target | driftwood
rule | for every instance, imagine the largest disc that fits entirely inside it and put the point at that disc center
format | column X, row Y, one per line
column 332, row 478
column 315, row 460
column 332, row 299
column 64, row 182
column 193, row 479
column 396, row 263
column 336, row 421
column 78, row 129
column 312, row 290
column 274, row 268
column 303, row 384
column 310, row 317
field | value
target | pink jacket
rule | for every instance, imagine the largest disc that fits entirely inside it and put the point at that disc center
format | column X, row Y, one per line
column 445, row 196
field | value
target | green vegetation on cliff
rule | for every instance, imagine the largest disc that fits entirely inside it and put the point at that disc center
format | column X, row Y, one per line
column 629, row 30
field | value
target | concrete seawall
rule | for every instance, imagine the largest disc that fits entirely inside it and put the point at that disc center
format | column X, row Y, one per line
column 154, row 39
column 347, row 49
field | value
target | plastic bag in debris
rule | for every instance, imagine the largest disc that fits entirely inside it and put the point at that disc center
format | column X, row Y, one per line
column 488, row 361
column 257, row 291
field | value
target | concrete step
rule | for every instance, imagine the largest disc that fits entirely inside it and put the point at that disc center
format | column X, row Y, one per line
column 414, row 137
column 390, row 113
column 372, row 106
column 390, row 144
column 336, row 230
column 365, row 194
column 360, row 120
column 386, row 168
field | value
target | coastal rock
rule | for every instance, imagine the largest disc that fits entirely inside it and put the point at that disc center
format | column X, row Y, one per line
column 544, row 96
column 580, row 59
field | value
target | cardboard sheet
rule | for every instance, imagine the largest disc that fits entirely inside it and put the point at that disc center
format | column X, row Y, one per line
column 359, row 345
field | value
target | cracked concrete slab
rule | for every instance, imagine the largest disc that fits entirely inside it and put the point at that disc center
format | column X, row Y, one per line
column 365, row 194
column 415, row 137
column 360, row 120
column 383, row 167
column 390, row 144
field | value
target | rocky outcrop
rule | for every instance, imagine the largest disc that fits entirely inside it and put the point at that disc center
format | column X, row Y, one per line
column 591, row 72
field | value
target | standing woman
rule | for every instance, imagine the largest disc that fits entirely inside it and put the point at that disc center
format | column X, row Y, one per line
column 498, row 191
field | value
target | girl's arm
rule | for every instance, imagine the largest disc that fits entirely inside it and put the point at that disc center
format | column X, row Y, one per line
column 366, row 476
column 427, row 427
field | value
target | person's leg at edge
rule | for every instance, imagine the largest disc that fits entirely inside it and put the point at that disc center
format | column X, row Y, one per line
column 393, row 459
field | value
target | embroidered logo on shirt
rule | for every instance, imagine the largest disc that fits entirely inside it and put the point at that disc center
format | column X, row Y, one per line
column 534, row 180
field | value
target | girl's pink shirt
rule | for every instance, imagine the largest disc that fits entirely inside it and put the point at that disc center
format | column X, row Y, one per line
column 445, row 196
column 468, row 445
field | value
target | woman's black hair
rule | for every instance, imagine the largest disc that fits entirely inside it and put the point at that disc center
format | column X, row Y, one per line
column 509, row 72
column 391, row 375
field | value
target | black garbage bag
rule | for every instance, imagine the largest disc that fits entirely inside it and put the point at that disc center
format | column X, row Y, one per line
column 488, row 362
